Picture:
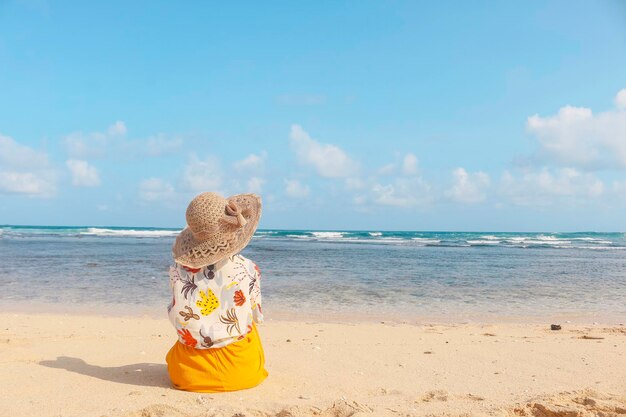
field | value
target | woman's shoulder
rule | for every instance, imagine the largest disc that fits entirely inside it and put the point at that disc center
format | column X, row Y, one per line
column 184, row 268
column 241, row 264
column 224, row 265
column 242, row 260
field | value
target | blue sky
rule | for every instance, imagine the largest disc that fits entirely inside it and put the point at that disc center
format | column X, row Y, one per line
column 342, row 115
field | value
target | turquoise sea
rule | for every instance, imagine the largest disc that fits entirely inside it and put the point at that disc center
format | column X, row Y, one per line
column 378, row 274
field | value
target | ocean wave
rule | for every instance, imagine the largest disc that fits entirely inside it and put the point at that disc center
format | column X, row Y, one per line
column 448, row 239
column 357, row 240
column 547, row 238
column 299, row 236
column 598, row 248
column 389, row 240
column 483, row 242
column 425, row 241
column 602, row 247
column 95, row 231
column 536, row 240
column 489, row 241
column 328, row 235
column 545, row 242
column 593, row 240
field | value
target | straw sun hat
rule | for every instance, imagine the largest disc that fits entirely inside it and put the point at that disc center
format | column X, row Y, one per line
column 216, row 228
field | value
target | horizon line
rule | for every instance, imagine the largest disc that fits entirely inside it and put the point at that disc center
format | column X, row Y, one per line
column 309, row 230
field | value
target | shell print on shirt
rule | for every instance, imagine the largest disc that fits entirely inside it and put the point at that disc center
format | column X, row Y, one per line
column 215, row 305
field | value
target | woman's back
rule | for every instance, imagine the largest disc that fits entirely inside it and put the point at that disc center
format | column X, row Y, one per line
column 215, row 305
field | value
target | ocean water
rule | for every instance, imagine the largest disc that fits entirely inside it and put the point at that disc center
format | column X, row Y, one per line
column 377, row 274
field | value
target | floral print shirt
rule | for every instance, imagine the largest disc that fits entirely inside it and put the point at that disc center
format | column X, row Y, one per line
column 216, row 305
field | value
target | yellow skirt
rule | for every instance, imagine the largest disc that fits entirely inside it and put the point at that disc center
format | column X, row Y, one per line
column 236, row 366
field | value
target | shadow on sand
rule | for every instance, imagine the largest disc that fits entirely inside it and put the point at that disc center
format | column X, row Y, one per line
column 143, row 374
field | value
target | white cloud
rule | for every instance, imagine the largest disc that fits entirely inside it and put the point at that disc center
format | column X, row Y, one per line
column 25, row 183
column 409, row 164
column 468, row 187
column 576, row 137
column 386, row 169
column 155, row 189
column 158, row 145
column 16, row 155
column 403, row 192
column 113, row 142
column 397, row 184
column 24, row 170
column 90, row 145
column 250, row 170
column 294, row 189
column 355, row 183
column 202, row 175
column 252, row 162
column 620, row 99
column 619, row 187
column 545, row 187
column 329, row 161
column 83, row 174
column 117, row 129
column 255, row 185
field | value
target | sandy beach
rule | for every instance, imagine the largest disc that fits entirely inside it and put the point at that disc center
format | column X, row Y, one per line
column 77, row 365
column 420, row 207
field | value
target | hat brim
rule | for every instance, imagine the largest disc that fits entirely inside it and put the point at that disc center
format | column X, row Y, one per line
column 194, row 253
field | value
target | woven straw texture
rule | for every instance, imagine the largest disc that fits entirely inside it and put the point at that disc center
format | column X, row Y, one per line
column 216, row 228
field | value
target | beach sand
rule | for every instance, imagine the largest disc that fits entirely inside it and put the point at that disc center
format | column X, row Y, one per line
column 77, row 365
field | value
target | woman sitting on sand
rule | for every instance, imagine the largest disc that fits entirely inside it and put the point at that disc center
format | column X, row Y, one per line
column 216, row 297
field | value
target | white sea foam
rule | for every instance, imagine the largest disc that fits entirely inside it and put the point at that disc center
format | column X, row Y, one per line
column 555, row 242
column 375, row 234
column 383, row 240
column 328, row 235
column 483, row 242
column 490, row 237
column 299, row 236
column 340, row 237
column 95, row 231
column 538, row 240
column 425, row 241
column 545, row 238
column 594, row 240
column 603, row 247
